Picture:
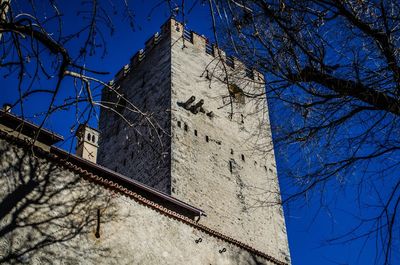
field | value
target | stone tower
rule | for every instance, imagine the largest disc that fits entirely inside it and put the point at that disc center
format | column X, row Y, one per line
column 184, row 121
column 87, row 142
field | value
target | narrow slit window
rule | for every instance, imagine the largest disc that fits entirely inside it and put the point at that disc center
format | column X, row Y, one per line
column 230, row 166
column 186, row 127
column 231, row 151
column 145, row 103
column 207, row 139
column 88, row 137
column 179, row 124
column 195, row 132
column 120, row 105
column 243, row 158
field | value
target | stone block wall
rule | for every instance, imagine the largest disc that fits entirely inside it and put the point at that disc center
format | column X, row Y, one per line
column 135, row 128
column 224, row 162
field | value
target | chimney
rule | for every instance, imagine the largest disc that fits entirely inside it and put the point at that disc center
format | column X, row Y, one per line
column 88, row 139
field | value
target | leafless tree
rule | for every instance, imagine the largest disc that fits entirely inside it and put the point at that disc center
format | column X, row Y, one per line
column 43, row 55
column 333, row 83
column 40, row 207
column 332, row 71
column 45, row 207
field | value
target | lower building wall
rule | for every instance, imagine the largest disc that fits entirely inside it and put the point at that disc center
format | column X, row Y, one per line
column 50, row 215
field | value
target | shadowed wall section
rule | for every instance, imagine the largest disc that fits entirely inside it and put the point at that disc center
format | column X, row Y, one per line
column 50, row 214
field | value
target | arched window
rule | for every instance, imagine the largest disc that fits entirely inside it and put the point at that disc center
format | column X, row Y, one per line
column 88, row 137
column 93, row 139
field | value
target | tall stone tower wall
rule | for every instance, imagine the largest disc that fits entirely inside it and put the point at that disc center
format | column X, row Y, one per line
column 135, row 125
column 215, row 153
column 222, row 160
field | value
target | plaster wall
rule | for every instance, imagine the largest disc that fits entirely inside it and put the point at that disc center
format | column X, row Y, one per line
column 51, row 217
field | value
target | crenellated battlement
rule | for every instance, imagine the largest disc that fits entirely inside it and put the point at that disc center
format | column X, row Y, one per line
column 190, row 37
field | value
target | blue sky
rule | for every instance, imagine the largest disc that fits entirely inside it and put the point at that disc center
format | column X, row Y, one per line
column 308, row 226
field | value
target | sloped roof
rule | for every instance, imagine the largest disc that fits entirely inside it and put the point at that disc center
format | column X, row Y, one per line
column 29, row 129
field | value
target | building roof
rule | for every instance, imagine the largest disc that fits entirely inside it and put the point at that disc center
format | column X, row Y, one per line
column 47, row 137
column 29, row 129
column 114, row 181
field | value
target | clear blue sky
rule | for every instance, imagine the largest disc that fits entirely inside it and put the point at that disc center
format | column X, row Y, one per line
column 308, row 227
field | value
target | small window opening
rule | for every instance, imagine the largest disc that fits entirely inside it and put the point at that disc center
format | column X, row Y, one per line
column 179, row 124
column 120, row 105
column 195, row 132
column 266, row 169
column 132, row 155
column 243, row 157
column 231, row 151
column 124, row 162
column 93, row 139
column 207, row 139
column 88, row 136
column 242, row 118
column 255, row 163
column 185, row 127
column 145, row 103
column 230, row 166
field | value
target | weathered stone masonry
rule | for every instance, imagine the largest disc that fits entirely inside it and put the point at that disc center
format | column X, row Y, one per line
column 209, row 154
